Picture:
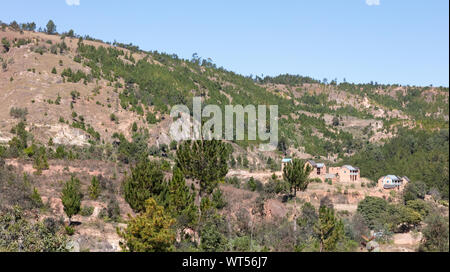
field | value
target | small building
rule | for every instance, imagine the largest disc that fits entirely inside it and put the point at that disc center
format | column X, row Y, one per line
column 346, row 173
column 392, row 182
column 319, row 170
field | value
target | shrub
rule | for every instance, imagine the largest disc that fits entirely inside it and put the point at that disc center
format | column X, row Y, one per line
column 94, row 188
column 21, row 235
column 18, row 113
column 87, row 211
column 69, row 230
column 254, row 185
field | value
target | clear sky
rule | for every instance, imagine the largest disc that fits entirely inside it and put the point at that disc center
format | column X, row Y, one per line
column 385, row 41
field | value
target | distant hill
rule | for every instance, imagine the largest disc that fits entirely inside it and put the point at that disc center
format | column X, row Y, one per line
column 82, row 91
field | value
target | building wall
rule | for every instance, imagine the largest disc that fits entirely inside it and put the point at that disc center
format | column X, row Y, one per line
column 344, row 174
column 314, row 173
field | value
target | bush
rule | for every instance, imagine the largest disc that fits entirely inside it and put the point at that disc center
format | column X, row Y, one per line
column 94, row 188
column 18, row 113
column 373, row 210
column 69, row 230
column 87, row 211
column 19, row 235
column 254, row 185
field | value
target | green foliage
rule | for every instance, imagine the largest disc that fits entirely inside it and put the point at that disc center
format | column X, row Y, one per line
column 420, row 206
column 19, row 235
column 71, row 197
column 69, row 230
column 18, row 113
column 373, row 210
column 51, row 27
column 254, row 185
column 330, row 230
column 296, row 173
column 150, row 231
column 435, row 234
column 421, row 155
column 6, row 44
column 414, row 190
column 205, row 161
column 218, row 199
column 212, row 234
column 94, row 188
column 181, row 201
column 36, row 198
column 400, row 218
column 87, row 211
column 40, row 160
column 146, row 181
column 131, row 152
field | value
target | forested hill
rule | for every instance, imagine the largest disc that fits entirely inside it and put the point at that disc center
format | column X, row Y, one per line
column 103, row 88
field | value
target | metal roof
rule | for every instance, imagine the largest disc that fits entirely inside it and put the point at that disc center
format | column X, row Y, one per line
column 393, row 177
column 286, row 160
column 313, row 163
column 320, row 165
column 351, row 168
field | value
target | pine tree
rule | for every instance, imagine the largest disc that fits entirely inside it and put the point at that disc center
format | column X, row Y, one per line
column 146, row 181
column 94, row 188
column 71, row 197
column 180, row 200
column 329, row 229
column 51, row 27
column 205, row 161
column 296, row 173
column 150, row 231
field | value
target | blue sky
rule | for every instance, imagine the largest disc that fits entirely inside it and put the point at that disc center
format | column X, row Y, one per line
column 385, row 41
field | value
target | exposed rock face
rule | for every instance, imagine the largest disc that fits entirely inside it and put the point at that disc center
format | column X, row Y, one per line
column 62, row 134
column 66, row 135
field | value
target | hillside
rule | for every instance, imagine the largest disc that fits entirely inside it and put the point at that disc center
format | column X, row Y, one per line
column 78, row 106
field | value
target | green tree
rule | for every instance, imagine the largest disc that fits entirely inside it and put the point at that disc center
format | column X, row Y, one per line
column 204, row 161
column 146, row 181
column 180, row 200
column 414, row 190
column 401, row 218
column 296, row 173
column 435, row 234
column 212, row 234
column 329, row 229
column 94, row 188
column 373, row 210
column 71, row 197
column 150, row 231
column 40, row 161
column 51, row 27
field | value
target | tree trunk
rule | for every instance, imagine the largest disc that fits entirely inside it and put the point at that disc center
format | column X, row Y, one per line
column 295, row 211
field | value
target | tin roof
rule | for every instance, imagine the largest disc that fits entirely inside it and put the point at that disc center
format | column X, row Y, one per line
column 320, row 165
column 286, row 160
column 393, row 177
column 351, row 168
